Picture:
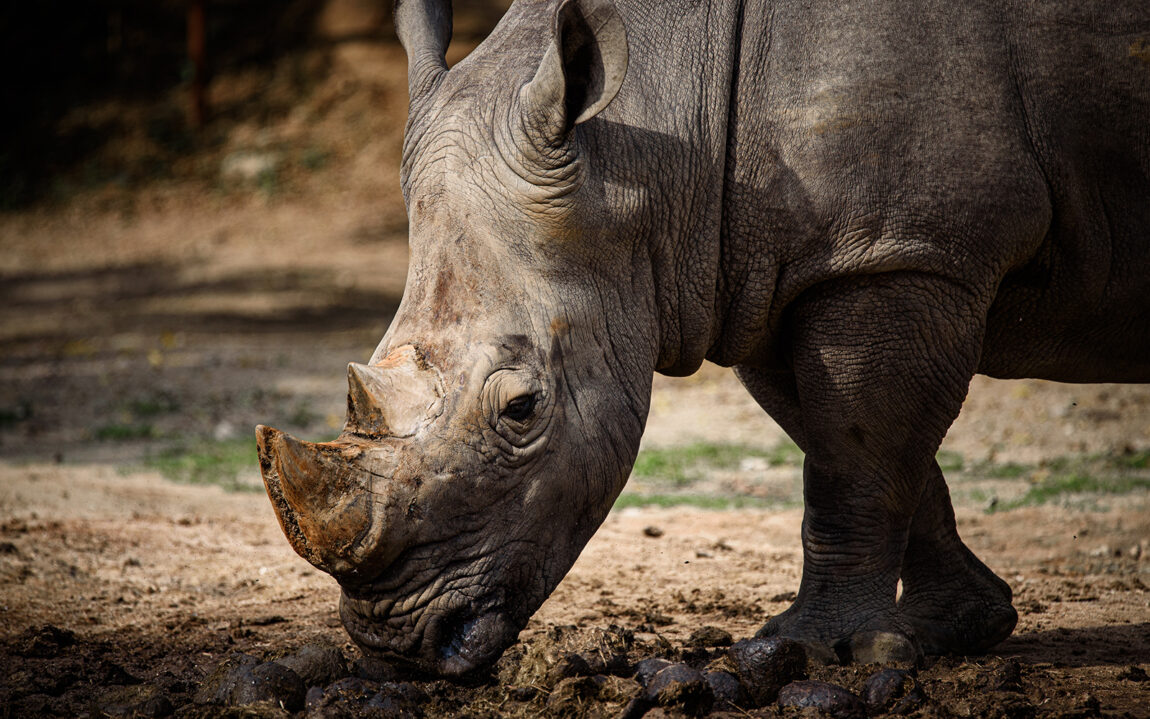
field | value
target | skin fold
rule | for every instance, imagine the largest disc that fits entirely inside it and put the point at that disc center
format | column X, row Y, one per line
column 856, row 207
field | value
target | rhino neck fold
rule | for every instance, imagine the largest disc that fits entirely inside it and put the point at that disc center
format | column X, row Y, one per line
column 663, row 144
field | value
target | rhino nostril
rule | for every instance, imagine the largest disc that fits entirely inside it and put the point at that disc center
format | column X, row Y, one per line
column 457, row 630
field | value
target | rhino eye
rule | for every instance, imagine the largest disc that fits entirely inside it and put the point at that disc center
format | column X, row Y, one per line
column 520, row 408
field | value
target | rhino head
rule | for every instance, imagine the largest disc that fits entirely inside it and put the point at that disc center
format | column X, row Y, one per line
column 492, row 429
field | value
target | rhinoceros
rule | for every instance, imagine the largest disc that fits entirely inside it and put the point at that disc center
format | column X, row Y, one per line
column 857, row 206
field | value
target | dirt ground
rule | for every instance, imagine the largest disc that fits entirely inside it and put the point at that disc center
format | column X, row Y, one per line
column 135, row 321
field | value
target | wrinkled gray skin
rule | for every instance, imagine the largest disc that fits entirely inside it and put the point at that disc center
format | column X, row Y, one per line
column 857, row 206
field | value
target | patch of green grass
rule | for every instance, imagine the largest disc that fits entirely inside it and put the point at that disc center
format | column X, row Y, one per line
column 683, row 465
column 1009, row 470
column 701, row 501
column 949, row 460
column 1060, row 486
column 124, row 432
column 314, row 158
column 154, row 404
column 219, row 463
column 303, row 415
column 1133, row 460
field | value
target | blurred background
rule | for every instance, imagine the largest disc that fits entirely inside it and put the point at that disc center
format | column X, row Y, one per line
column 200, row 218
column 201, row 225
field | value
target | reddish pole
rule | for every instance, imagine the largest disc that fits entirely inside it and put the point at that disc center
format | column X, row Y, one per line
column 196, row 54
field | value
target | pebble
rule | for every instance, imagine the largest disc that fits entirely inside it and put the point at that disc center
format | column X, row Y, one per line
column 648, row 668
column 239, row 680
column 708, row 636
column 725, row 687
column 316, row 664
column 766, row 665
column 830, row 698
column 892, row 691
column 682, row 687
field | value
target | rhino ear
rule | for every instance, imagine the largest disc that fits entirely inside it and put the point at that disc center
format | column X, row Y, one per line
column 424, row 30
column 581, row 71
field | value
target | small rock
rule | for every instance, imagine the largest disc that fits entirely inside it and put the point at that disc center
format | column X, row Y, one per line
column 218, row 686
column 239, row 681
column 648, row 668
column 1134, row 673
column 314, row 698
column 766, row 665
column 708, row 636
column 316, row 664
column 269, row 682
column 652, row 531
column 892, row 691
column 680, row 686
column 829, row 698
column 725, row 687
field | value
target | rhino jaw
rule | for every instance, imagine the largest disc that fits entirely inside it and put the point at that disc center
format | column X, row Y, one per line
column 446, row 642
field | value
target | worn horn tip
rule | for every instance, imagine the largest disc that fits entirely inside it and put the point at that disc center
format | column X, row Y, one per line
column 265, row 436
column 365, row 400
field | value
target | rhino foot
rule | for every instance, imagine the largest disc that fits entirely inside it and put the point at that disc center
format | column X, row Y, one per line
column 888, row 640
column 954, row 602
column 966, row 617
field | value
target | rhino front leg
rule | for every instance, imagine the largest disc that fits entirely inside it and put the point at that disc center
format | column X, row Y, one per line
column 955, row 604
column 881, row 366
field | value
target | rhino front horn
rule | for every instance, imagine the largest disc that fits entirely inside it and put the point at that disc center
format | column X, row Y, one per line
column 325, row 504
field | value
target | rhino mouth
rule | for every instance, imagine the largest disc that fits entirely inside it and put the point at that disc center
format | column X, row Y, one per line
column 448, row 642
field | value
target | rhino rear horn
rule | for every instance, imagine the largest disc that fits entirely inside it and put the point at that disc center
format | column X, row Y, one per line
column 581, row 71
column 394, row 397
column 424, row 30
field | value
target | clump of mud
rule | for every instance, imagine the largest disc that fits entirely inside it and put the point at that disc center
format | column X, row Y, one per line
column 563, row 672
